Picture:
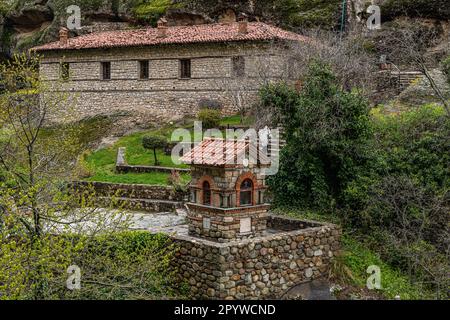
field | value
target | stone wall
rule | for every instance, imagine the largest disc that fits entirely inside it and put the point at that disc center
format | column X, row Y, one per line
column 164, row 96
column 259, row 268
column 225, row 183
column 226, row 224
column 136, row 191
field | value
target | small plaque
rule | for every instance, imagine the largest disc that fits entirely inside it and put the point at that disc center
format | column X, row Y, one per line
column 206, row 223
column 246, row 225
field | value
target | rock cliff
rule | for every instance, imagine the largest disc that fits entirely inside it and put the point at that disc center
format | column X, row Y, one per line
column 25, row 23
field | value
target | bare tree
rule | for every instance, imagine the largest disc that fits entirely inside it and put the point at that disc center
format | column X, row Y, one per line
column 354, row 68
column 36, row 163
column 409, row 46
column 416, row 223
column 351, row 63
column 249, row 71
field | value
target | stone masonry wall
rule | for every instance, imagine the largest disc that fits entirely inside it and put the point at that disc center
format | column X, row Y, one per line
column 136, row 191
column 223, row 181
column 225, row 224
column 260, row 268
column 164, row 96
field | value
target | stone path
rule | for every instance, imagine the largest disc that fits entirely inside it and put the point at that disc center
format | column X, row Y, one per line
column 315, row 290
column 167, row 222
column 100, row 219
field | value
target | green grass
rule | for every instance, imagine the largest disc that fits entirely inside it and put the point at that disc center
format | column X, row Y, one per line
column 101, row 163
column 136, row 154
column 236, row 120
column 357, row 258
column 153, row 178
column 305, row 214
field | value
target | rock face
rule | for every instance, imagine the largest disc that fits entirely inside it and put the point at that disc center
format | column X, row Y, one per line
column 38, row 21
column 31, row 17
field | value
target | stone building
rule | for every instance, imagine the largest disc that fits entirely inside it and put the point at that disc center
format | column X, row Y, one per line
column 227, row 190
column 165, row 73
column 232, row 248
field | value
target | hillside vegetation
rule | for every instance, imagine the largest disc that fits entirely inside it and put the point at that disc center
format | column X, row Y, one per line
column 31, row 22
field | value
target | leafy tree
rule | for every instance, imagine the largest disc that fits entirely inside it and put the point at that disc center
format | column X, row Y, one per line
column 45, row 226
column 326, row 130
column 154, row 142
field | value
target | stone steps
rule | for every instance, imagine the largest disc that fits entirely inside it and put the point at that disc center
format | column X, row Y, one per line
column 406, row 77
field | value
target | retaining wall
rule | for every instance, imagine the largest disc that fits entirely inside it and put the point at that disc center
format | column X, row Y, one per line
column 259, row 268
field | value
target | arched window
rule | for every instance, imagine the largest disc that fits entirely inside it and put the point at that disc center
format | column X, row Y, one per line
column 246, row 193
column 206, row 193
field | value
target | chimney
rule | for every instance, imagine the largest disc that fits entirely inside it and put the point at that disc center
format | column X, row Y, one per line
column 162, row 28
column 63, row 36
column 243, row 24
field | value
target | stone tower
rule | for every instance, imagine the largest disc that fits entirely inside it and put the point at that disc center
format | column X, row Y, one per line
column 227, row 190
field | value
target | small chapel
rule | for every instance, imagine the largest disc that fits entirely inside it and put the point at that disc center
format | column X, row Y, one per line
column 227, row 190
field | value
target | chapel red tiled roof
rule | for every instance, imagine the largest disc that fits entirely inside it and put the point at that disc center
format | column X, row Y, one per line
column 221, row 152
column 205, row 33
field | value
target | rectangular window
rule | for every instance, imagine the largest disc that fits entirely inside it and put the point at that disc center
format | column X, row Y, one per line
column 185, row 68
column 238, row 66
column 106, row 70
column 64, row 70
column 144, row 69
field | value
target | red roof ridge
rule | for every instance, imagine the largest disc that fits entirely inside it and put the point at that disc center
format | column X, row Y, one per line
column 214, row 151
column 147, row 36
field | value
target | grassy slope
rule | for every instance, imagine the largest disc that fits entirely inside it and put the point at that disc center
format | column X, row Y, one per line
column 101, row 163
column 356, row 258
column 350, row 268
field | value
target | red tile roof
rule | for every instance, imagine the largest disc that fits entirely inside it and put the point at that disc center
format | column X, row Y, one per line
column 205, row 33
column 221, row 152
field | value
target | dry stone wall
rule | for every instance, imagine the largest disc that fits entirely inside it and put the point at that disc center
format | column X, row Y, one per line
column 136, row 191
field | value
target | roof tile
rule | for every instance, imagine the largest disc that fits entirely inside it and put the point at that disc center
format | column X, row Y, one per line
column 205, row 33
column 221, row 152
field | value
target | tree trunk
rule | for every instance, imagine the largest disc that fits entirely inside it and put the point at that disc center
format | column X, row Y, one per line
column 154, row 154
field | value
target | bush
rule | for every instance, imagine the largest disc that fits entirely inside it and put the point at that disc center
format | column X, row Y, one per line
column 174, row 179
column 150, row 10
column 124, row 265
column 327, row 131
column 401, row 200
column 209, row 118
column 154, row 142
column 415, row 8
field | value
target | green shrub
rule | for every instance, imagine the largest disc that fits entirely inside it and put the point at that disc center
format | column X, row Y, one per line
column 209, row 118
column 401, row 200
column 356, row 257
column 154, row 142
column 123, row 265
column 438, row 9
column 151, row 10
column 327, row 131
